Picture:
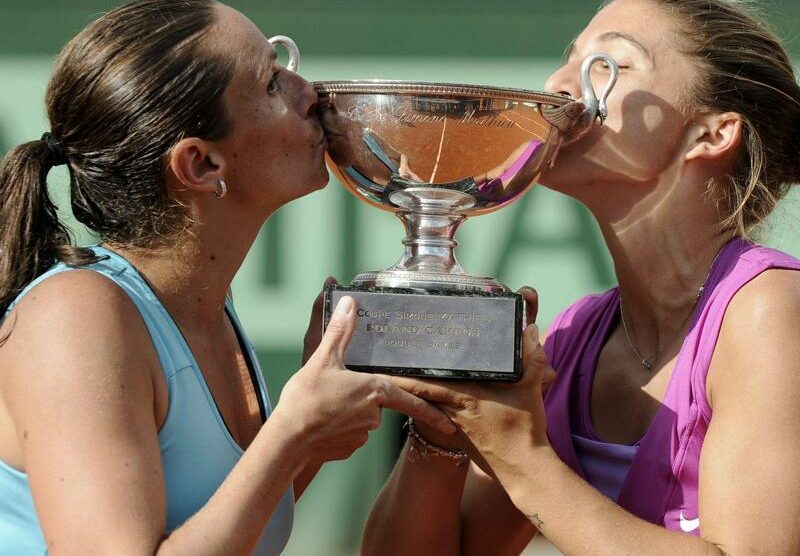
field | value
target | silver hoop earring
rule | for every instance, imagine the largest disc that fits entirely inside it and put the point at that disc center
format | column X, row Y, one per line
column 222, row 189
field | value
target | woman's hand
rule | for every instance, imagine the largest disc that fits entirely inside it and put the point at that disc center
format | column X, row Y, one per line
column 496, row 418
column 331, row 410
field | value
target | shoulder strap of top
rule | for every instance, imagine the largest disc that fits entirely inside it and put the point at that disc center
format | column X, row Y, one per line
column 572, row 347
column 251, row 355
column 574, row 327
column 743, row 261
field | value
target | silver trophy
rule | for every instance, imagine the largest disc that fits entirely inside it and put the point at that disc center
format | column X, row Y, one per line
column 436, row 154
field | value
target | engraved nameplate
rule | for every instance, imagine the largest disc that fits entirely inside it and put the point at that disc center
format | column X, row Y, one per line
column 455, row 335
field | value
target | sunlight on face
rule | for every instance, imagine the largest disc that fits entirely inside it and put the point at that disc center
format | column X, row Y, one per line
column 643, row 133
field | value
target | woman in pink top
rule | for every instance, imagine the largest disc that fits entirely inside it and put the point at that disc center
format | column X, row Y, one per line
column 672, row 417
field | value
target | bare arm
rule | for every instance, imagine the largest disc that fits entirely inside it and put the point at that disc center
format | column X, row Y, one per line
column 750, row 480
column 417, row 512
column 433, row 507
column 89, row 397
column 490, row 523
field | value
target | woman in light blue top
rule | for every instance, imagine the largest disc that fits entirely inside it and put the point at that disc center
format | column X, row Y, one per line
column 134, row 418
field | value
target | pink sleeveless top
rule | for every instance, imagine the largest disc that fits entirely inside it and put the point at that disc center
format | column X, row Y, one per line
column 662, row 483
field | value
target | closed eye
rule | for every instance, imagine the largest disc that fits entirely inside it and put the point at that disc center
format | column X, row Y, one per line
column 273, row 85
column 605, row 65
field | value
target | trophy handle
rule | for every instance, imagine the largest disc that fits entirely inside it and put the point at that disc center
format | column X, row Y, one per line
column 597, row 107
column 291, row 47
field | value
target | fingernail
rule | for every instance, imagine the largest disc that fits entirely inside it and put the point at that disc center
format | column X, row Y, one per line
column 344, row 306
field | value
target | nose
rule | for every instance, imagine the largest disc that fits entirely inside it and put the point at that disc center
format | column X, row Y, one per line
column 313, row 101
column 307, row 95
column 565, row 80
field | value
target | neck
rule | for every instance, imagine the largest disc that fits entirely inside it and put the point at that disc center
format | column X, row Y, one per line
column 663, row 248
column 192, row 276
column 659, row 274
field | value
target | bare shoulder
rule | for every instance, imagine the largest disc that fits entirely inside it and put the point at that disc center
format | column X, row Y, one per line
column 760, row 337
column 763, row 310
column 73, row 292
column 73, row 324
column 773, row 293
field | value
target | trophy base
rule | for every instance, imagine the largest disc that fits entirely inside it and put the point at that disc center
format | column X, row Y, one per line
column 445, row 333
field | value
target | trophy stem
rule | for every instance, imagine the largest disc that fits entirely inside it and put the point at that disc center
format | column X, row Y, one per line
column 431, row 217
column 429, row 243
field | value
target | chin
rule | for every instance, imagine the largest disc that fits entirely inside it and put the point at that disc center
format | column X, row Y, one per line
column 572, row 184
column 560, row 179
column 568, row 190
column 306, row 187
column 313, row 184
column 323, row 180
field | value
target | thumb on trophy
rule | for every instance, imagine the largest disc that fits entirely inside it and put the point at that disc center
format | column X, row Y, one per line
column 339, row 330
column 537, row 371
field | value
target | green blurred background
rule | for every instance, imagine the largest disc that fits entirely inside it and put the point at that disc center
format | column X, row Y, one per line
column 544, row 240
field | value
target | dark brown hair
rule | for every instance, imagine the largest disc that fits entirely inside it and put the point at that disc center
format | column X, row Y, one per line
column 124, row 91
column 744, row 68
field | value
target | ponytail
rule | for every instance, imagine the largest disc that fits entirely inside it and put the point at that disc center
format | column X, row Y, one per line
column 31, row 237
column 114, row 125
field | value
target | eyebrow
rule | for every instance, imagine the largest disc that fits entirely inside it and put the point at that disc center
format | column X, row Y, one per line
column 613, row 35
column 261, row 69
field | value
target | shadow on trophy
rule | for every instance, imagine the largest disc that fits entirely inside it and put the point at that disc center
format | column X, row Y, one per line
column 435, row 155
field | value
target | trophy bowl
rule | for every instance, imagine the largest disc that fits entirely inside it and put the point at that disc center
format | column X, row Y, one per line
column 436, row 154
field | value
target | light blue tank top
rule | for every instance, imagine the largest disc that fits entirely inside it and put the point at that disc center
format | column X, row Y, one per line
column 197, row 450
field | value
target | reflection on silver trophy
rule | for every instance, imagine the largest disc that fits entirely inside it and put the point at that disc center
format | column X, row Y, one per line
column 436, row 154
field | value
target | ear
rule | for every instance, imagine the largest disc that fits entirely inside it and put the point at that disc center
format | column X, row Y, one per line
column 197, row 165
column 715, row 136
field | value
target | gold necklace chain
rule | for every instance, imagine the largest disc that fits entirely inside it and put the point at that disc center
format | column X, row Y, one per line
column 648, row 362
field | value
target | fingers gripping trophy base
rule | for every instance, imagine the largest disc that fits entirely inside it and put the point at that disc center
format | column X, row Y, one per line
column 472, row 335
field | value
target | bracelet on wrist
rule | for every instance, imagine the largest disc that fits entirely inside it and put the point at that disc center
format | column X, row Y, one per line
column 420, row 448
